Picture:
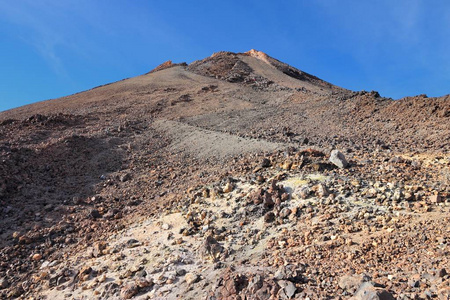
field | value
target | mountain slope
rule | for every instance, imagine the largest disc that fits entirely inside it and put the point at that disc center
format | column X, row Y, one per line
column 252, row 86
column 224, row 146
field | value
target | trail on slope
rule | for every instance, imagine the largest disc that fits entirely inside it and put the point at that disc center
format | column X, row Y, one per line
column 206, row 143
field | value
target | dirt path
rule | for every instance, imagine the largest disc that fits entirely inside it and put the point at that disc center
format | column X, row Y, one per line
column 206, row 144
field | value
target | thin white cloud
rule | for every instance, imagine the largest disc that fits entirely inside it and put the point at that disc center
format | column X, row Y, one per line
column 403, row 21
column 56, row 28
column 375, row 20
column 33, row 24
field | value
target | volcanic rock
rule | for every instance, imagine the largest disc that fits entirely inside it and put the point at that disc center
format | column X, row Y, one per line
column 368, row 292
column 338, row 159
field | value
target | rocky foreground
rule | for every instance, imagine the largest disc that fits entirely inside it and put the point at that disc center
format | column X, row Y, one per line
column 290, row 225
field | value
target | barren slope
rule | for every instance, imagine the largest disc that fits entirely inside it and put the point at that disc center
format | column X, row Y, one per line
column 116, row 191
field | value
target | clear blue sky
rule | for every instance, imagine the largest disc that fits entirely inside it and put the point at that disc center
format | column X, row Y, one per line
column 50, row 49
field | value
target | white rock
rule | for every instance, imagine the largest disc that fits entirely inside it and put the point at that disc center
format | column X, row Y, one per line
column 45, row 264
column 338, row 159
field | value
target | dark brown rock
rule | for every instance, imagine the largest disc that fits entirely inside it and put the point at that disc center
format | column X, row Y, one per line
column 269, row 217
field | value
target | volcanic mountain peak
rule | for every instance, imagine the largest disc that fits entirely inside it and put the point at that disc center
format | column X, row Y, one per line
column 215, row 179
column 254, row 68
column 258, row 69
column 259, row 54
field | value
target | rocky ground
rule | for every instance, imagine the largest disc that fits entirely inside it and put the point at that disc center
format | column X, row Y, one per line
column 220, row 180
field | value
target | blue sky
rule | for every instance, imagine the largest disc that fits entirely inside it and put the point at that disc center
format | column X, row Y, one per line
column 50, row 49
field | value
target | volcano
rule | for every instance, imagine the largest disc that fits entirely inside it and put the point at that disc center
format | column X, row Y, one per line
column 217, row 180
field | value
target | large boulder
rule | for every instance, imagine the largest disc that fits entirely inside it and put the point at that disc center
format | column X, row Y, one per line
column 368, row 292
column 338, row 159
